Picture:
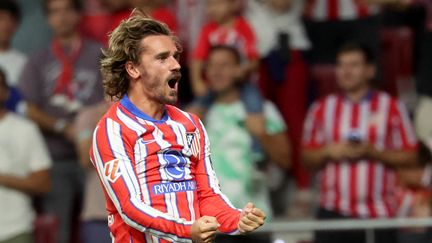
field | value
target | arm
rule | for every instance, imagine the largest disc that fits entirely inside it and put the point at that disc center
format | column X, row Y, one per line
column 404, row 150
column 110, row 155
column 38, row 180
column 199, row 54
column 49, row 123
column 314, row 158
column 211, row 200
column 394, row 158
column 35, row 183
column 199, row 87
column 277, row 147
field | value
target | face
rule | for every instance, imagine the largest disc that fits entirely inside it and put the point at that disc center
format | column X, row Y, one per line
column 222, row 70
column 220, row 10
column 352, row 71
column 62, row 17
column 280, row 5
column 8, row 26
column 158, row 70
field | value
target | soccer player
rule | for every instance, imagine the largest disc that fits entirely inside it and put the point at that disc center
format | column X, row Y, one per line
column 356, row 139
column 152, row 158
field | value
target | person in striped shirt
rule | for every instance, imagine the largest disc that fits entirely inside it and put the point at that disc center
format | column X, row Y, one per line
column 152, row 158
column 330, row 23
column 356, row 139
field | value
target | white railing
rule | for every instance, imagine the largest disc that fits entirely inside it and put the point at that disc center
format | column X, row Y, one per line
column 346, row 224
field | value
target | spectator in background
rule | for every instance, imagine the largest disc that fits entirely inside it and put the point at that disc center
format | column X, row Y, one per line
column 415, row 196
column 331, row 23
column 190, row 18
column 96, row 20
column 12, row 61
column 424, row 80
column 226, row 27
column 234, row 160
column 94, row 226
column 283, row 78
column 24, row 171
column 356, row 140
column 157, row 9
column 56, row 83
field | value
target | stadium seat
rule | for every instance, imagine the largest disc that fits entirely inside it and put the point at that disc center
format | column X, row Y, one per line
column 46, row 228
column 323, row 77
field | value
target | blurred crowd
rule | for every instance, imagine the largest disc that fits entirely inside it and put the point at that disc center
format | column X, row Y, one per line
column 298, row 97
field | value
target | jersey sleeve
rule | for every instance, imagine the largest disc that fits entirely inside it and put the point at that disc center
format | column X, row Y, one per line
column 403, row 135
column 212, row 202
column 111, row 154
column 313, row 132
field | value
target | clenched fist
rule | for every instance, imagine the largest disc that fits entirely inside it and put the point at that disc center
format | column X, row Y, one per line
column 204, row 229
column 251, row 219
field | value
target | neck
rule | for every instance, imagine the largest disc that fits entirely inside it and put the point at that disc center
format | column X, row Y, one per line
column 229, row 22
column 148, row 106
column 4, row 46
column 228, row 96
column 68, row 40
column 358, row 94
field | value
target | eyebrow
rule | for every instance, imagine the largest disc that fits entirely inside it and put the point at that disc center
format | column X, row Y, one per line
column 165, row 54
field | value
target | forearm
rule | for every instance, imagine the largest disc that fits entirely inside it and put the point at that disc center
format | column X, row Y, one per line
column 315, row 158
column 41, row 118
column 32, row 184
column 394, row 158
column 195, row 74
column 250, row 67
column 277, row 148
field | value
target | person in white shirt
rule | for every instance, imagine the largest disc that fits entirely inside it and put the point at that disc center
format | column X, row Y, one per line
column 24, row 171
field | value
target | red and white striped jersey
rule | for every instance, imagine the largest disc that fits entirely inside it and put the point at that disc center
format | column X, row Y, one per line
column 363, row 188
column 157, row 175
column 327, row 10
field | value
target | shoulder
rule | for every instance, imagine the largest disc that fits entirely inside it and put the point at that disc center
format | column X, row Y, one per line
column 189, row 120
column 242, row 23
column 209, row 27
column 22, row 124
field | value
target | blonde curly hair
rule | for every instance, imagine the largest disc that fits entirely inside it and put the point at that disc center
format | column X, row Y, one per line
column 123, row 46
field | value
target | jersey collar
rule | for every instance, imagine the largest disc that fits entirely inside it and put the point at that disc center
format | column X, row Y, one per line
column 127, row 103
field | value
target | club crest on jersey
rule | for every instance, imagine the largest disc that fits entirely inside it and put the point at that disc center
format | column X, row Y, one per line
column 112, row 170
column 175, row 164
column 193, row 145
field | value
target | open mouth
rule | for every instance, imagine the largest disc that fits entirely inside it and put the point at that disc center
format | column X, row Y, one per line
column 173, row 81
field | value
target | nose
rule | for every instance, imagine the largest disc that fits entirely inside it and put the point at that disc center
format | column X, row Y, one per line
column 175, row 65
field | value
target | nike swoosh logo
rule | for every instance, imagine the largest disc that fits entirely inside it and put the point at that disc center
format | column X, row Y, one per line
column 145, row 142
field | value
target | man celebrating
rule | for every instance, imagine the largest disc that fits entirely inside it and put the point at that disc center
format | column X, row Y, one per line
column 357, row 139
column 152, row 158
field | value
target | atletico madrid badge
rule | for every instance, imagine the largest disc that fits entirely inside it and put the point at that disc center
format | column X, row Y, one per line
column 193, row 144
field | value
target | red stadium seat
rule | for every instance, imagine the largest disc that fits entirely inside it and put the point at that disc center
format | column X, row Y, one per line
column 396, row 52
column 46, row 228
column 323, row 76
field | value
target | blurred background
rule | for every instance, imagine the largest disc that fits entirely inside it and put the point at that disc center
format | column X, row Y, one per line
column 316, row 109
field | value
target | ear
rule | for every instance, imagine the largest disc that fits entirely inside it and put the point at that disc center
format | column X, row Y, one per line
column 131, row 69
